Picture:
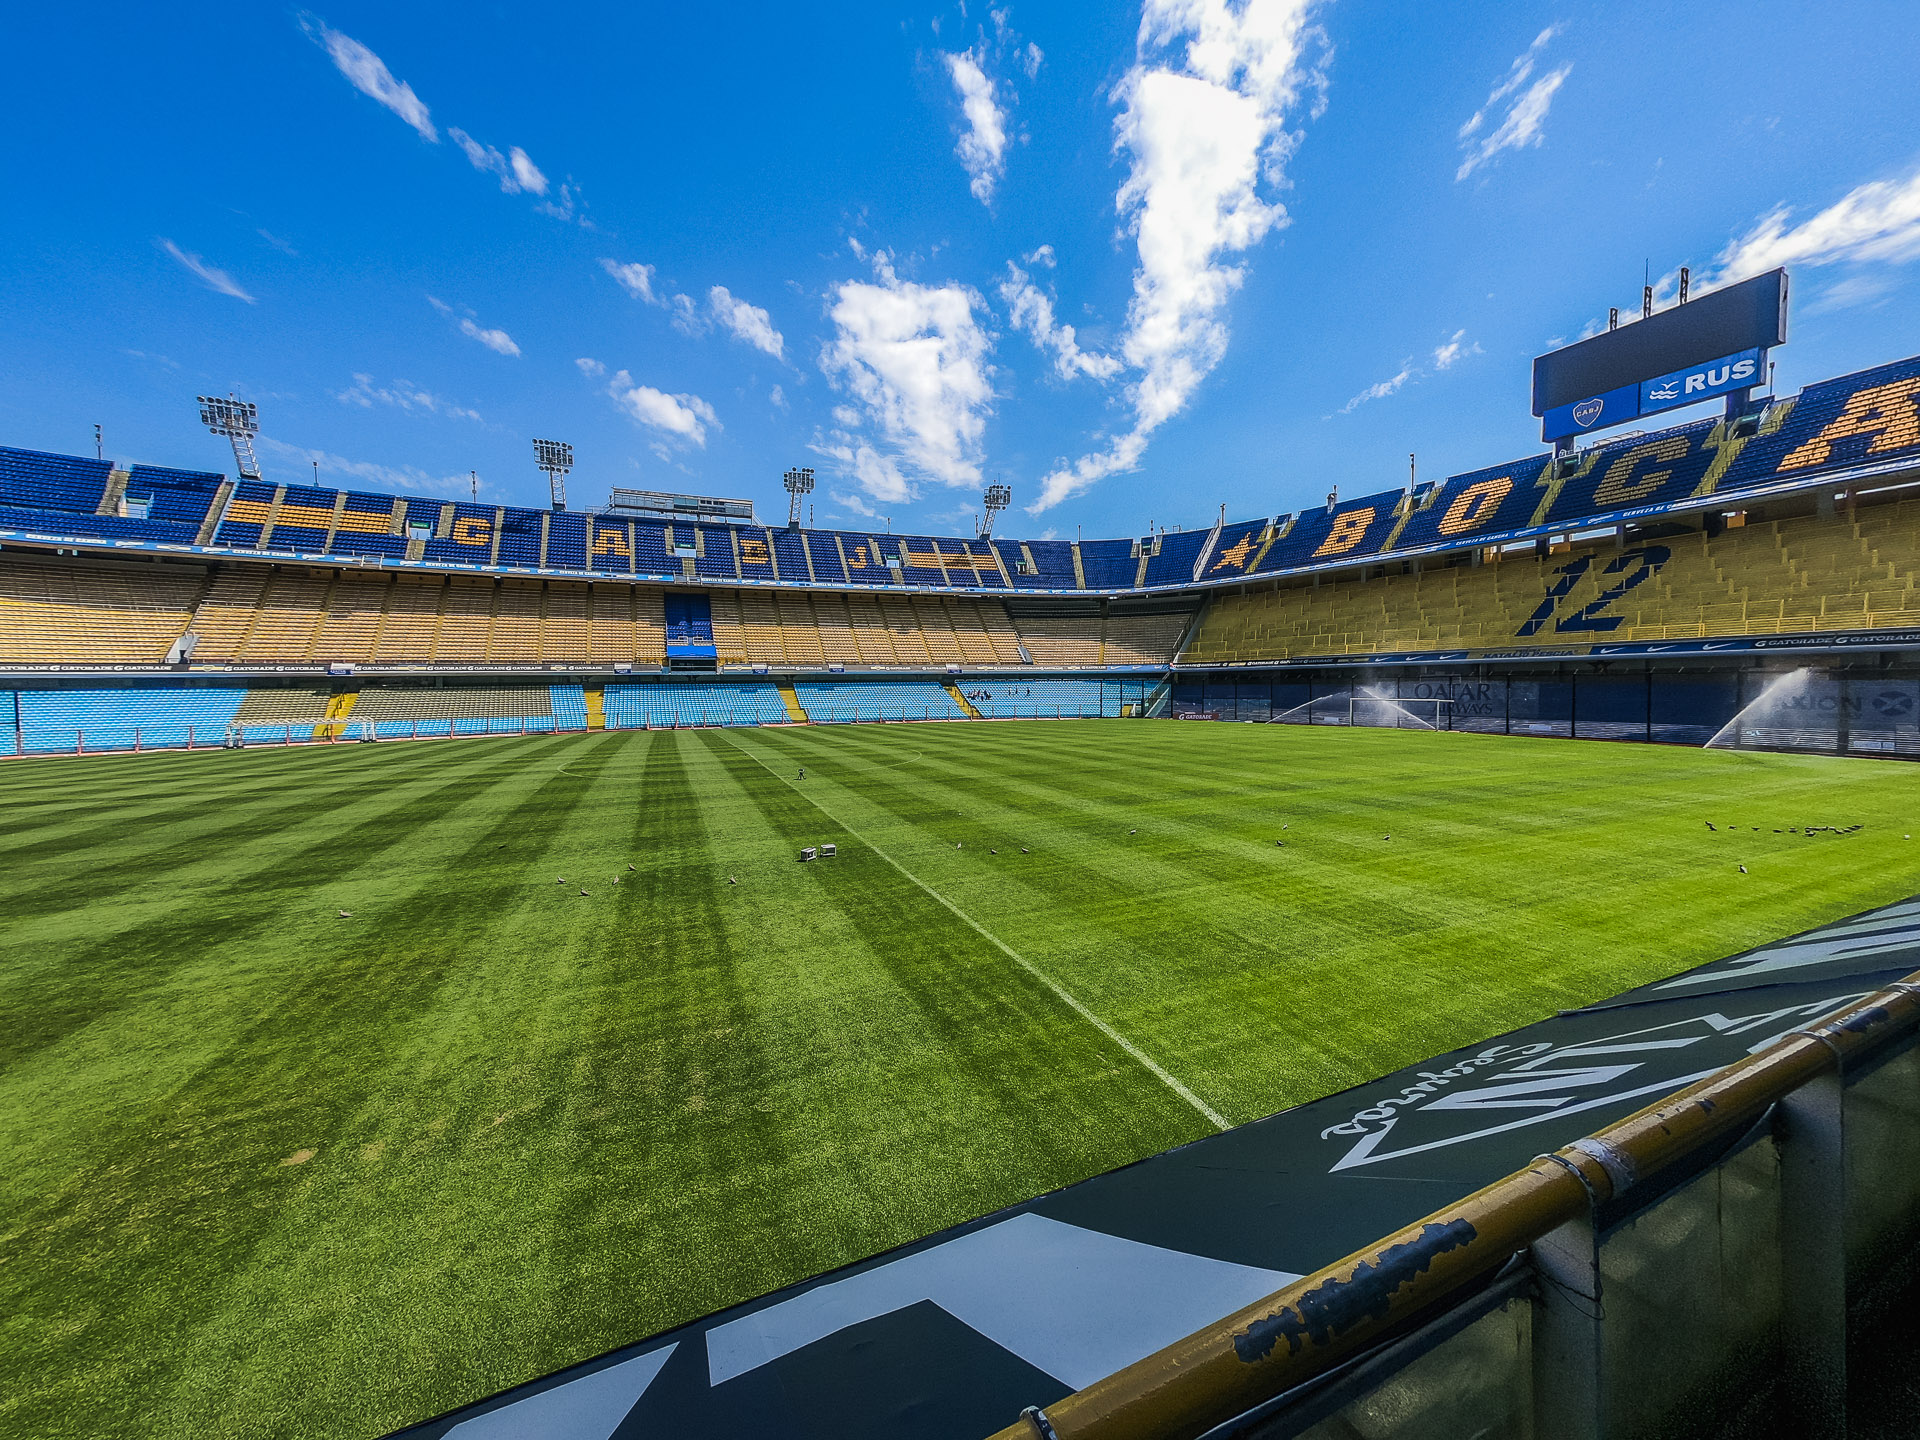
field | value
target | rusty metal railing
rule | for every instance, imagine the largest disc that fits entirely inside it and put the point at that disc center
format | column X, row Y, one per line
column 1298, row 1333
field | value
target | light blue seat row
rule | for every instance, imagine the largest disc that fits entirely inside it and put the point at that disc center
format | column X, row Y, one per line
column 670, row 703
column 1031, row 699
column 850, row 700
column 157, row 716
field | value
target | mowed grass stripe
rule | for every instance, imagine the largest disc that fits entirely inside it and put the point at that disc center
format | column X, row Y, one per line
column 544, row 1124
column 1134, row 1052
column 145, row 1241
column 125, row 853
column 161, row 787
column 437, row 1203
column 60, row 974
column 171, row 997
column 1294, row 970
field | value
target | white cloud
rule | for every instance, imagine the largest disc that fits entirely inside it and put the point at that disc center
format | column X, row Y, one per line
column 983, row 145
column 687, row 318
column 212, row 276
column 590, row 367
column 525, row 173
column 1853, row 291
column 1031, row 310
column 634, row 278
column 1875, row 222
column 1381, row 389
column 1203, row 124
column 402, row 395
column 746, row 322
column 376, row 476
column 515, row 171
column 778, row 397
column 564, row 201
column 853, row 503
column 1030, row 59
column 283, row 246
column 368, row 74
column 1522, row 124
column 1454, row 350
column 916, row 359
column 681, row 417
column 497, row 341
column 1446, row 355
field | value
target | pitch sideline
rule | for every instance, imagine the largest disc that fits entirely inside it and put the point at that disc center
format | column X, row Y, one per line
column 1214, row 1117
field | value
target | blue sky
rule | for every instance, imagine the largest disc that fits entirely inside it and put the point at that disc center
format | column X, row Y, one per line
column 1136, row 265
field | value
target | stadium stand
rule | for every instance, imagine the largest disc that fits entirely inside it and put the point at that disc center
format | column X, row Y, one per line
column 1786, row 526
column 1038, row 698
column 92, row 612
column 844, row 701
column 679, row 703
column 121, row 718
column 467, row 710
column 1846, row 572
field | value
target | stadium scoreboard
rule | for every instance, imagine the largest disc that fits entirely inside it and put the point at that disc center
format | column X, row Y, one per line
column 1714, row 345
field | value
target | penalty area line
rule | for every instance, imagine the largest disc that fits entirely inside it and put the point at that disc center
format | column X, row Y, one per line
column 1214, row 1117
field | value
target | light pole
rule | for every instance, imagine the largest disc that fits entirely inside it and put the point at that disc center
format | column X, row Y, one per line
column 798, row 483
column 997, row 498
column 556, row 458
column 239, row 421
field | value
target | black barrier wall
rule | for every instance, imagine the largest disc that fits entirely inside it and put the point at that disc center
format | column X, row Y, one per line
column 1861, row 709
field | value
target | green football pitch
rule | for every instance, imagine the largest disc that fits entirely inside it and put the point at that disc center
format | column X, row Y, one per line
column 272, row 1170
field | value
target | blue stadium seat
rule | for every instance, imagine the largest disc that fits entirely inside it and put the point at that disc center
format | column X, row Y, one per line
column 152, row 717
column 1027, row 699
column 676, row 703
column 834, row 701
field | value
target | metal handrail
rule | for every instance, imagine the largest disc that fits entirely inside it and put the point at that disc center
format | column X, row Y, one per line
column 1223, row 1370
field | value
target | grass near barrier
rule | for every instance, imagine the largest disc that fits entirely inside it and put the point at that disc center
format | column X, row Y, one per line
column 273, row 1172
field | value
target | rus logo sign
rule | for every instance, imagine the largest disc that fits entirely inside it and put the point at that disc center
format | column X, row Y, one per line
column 1701, row 382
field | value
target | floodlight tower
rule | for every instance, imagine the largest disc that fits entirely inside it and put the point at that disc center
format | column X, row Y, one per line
column 556, row 458
column 239, row 421
column 798, row 483
column 997, row 498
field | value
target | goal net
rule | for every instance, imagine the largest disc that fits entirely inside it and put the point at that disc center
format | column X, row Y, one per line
column 1364, row 706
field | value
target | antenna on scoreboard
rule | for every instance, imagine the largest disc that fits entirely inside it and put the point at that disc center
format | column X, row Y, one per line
column 239, row 421
column 1685, row 275
column 556, row 458
column 798, row 483
column 997, row 499
column 1646, row 291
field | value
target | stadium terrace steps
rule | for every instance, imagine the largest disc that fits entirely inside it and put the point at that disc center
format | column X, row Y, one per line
column 961, row 700
column 1802, row 575
column 1091, row 634
column 844, row 701
column 676, row 703
column 339, row 711
column 120, row 718
column 105, row 612
column 795, row 711
column 284, row 705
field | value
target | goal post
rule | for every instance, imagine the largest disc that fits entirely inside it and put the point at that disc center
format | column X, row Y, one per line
column 1371, row 709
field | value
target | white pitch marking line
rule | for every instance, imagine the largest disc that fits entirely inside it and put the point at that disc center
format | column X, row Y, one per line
column 1214, row 1117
